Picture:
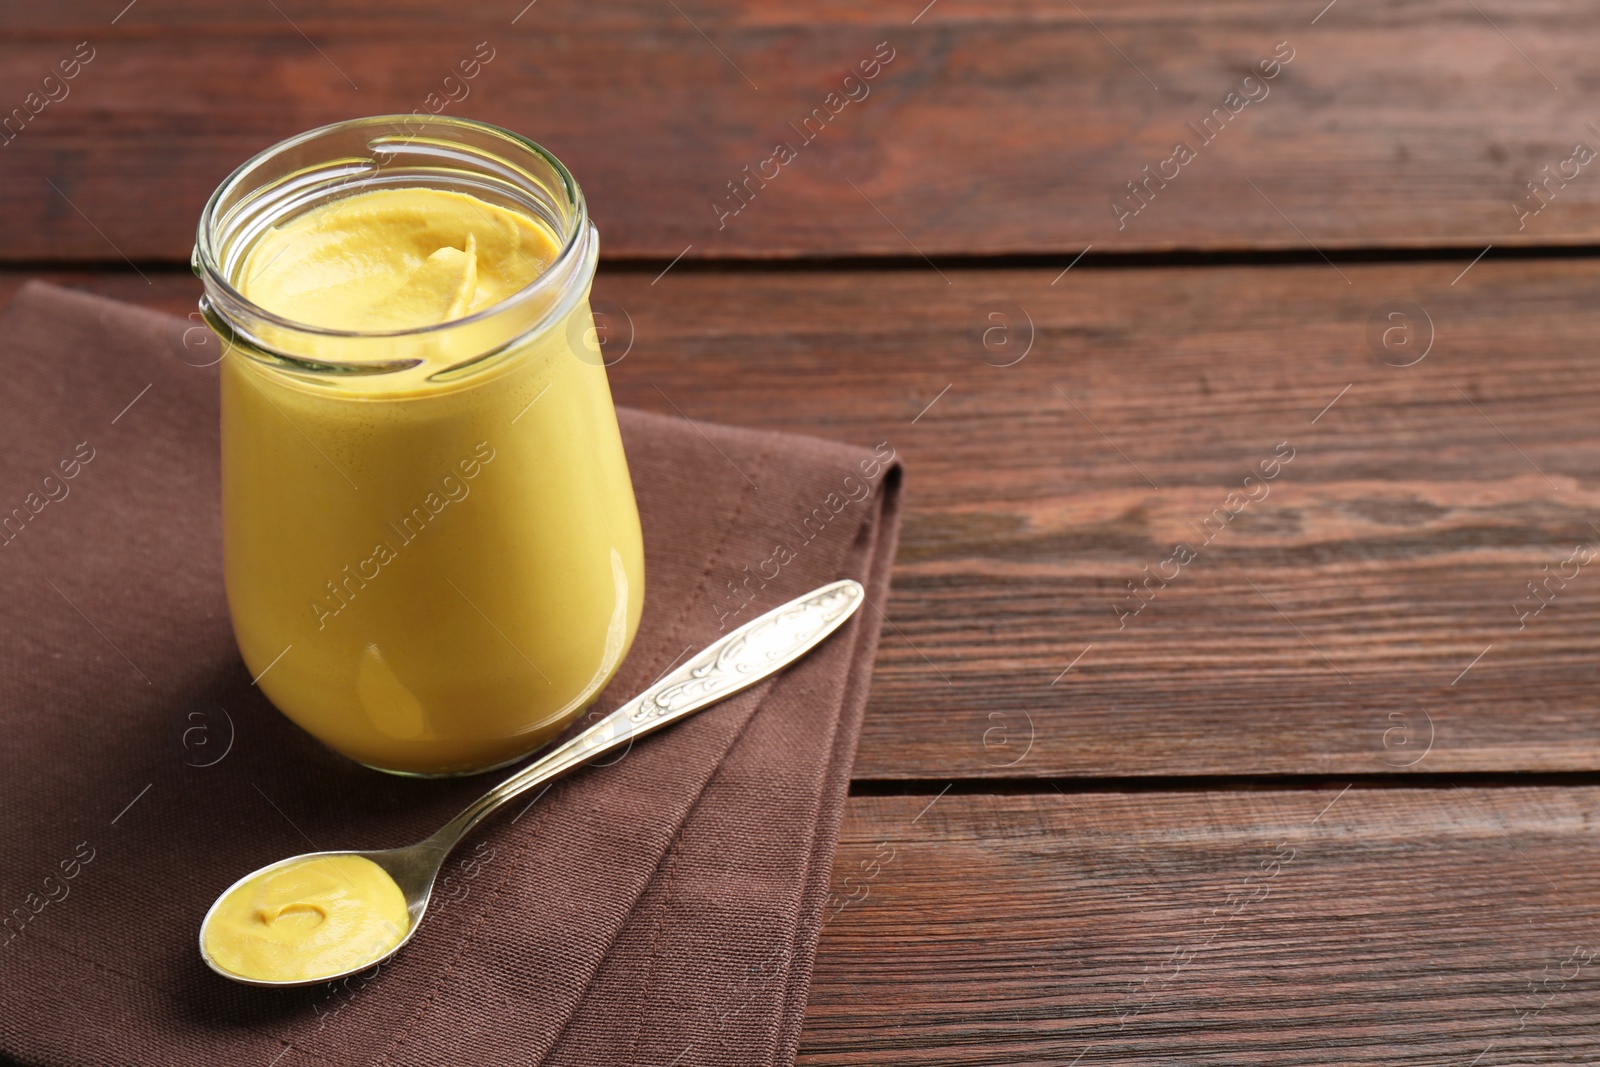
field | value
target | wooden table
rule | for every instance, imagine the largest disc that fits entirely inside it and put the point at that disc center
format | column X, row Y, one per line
column 1319, row 788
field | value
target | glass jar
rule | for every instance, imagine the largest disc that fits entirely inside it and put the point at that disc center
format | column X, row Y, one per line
column 430, row 542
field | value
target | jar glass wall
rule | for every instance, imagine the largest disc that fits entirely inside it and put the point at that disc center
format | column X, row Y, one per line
column 431, row 547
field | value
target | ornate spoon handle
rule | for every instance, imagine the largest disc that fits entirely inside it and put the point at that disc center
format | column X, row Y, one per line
column 758, row 649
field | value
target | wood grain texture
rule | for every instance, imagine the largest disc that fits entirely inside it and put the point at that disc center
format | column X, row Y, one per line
column 1396, row 927
column 1333, row 626
column 997, row 128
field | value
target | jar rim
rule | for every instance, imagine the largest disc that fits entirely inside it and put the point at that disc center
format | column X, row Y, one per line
column 205, row 261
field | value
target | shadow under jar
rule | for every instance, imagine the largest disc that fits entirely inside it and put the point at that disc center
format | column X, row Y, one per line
column 431, row 547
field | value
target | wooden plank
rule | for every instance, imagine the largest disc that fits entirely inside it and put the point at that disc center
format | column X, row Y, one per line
column 1396, row 927
column 1008, row 128
column 1361, row 617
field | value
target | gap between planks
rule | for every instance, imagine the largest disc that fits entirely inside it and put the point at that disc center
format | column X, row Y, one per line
column 1201, row 783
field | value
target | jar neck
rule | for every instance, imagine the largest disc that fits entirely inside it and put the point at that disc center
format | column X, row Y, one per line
column 395, row 152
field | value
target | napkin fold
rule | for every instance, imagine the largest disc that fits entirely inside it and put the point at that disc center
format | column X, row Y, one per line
column 661, row 910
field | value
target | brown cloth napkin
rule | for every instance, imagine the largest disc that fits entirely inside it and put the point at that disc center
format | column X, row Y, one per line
column 662, row 910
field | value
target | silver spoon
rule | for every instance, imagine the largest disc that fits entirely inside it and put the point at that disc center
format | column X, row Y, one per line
column 756, row 650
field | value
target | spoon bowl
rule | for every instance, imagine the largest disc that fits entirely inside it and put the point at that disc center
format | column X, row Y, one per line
column 755, row 651
column 413, row 868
